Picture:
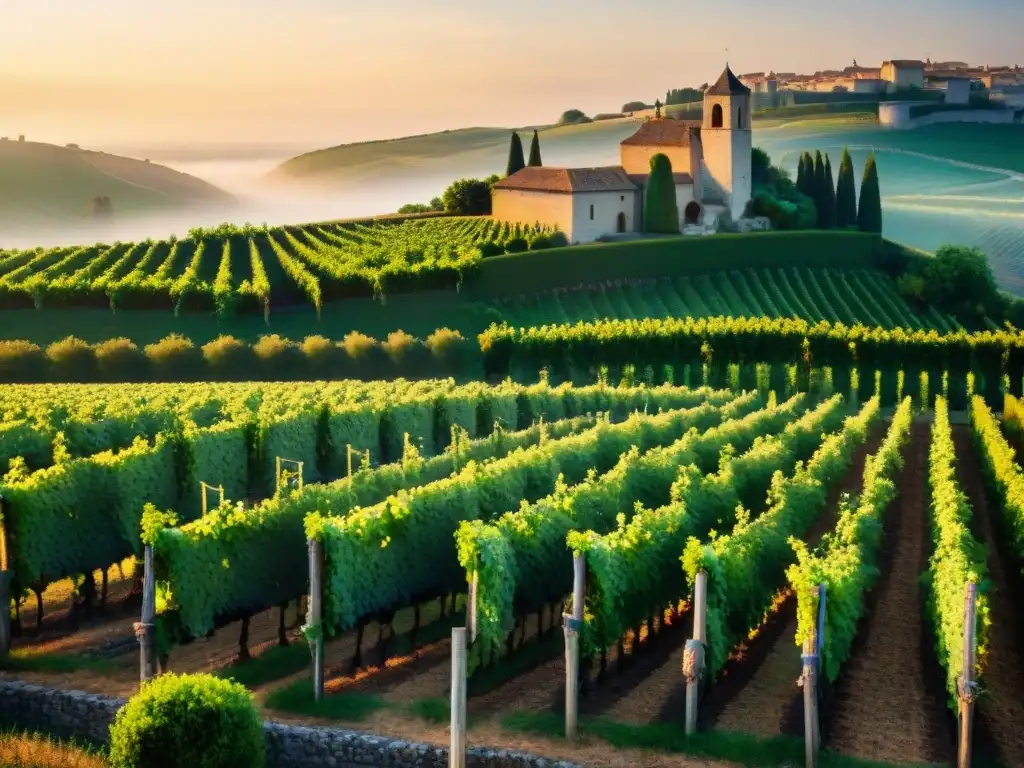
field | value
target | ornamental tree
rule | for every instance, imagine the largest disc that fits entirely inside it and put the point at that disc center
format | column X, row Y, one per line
column 869, row 209
column 661, row 212
column 515, row 155
column 535, row 151
column 829, row 196
column 846, row 193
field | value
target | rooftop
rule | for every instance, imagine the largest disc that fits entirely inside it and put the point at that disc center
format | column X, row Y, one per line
column 728, row 85
column 905, row 63
column 664, row 133
column 568, row 180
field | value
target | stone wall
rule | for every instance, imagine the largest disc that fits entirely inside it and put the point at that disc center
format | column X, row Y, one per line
column 897, row 115
column 87, row 717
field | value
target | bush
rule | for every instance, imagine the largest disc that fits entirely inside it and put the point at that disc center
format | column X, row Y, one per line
column 188, row 721
column 517, row 245
column 279, row 359
column 364, row 357
column 324, row 358
column 450, row 350
column 71, row 360
column 408, row 355
column 174, row 359
column 22, row 362
column 121, row 360
column 229, row 359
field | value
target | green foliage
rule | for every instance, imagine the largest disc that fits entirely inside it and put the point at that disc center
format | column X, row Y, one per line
column 468, row 197
column 777, row 197
column 747, row 567
column 661, row 213
column 188, row 721
column 515, row 155
column 828, row 197
column 573, row 117
column 957, row 559
column 959, row 279
column 847, row 560
column 846, row 193
column 869, row 207
column 520, row 558
column 382, row 557
column 634, row 106
column 535, row 159
column 632, row 572
column 1002, row 471
column 820, row 185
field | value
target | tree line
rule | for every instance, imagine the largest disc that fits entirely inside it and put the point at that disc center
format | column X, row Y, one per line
column 836, row 199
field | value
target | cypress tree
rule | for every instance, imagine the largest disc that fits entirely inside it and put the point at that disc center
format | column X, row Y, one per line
column 801, row 173
column 808, row 187
column 846, row 193
column 661, row 213
column 869, row 210
column 535, row 151
column 515, row 155
column 829, row 196
column 818, row 188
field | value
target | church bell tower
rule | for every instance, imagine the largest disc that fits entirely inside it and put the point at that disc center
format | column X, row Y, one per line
column 727, row 142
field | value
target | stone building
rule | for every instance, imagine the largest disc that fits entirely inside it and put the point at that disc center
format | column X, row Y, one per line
column 711, row 164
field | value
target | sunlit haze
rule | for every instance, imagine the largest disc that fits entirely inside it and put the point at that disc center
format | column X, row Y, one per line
column 318, row 72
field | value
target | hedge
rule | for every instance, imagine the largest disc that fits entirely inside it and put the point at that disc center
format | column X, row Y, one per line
column 536, row 271
column 357, row 356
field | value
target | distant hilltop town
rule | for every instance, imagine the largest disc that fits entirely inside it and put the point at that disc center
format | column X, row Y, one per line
column 956, row 78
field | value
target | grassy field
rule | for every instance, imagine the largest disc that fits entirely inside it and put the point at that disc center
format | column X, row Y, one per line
column 48, row 183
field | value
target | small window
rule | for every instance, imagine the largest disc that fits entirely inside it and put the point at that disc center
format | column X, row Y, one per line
column 739, row 117
column 716, row 116
column 622, row 198
column 591, row 213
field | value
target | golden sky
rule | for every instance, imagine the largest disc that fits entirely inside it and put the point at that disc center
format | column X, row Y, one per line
column 330, row 71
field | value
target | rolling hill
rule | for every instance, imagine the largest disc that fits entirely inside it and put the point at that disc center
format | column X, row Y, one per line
column 50, row 184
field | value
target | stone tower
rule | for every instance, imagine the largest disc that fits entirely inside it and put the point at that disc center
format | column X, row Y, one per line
column 727, row 142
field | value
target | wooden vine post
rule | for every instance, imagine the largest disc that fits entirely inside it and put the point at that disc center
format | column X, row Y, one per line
column 811, row 658
column 5, row 590
column 460, row 668
column 314, row 630
column 284, row 478
column 693, row 654
column 474, row 581
column 967, row 687
column 572, row 624
column 206, row 488
column 145, row 630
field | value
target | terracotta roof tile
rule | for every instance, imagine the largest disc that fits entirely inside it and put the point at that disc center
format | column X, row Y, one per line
column 664, row 133
column 728, row 85
column 568, row 180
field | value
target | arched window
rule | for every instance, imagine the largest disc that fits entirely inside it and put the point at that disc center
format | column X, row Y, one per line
column 739, row 117
column 716, row 116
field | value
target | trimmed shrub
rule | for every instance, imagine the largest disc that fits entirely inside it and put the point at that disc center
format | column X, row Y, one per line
column 229, row 359
column 121, row 360
column 364, row 357
column 188, row 721
column 450, row 350
column 408, row 355
column 517, row 245
column 324, row 358
column 279, row 358
column 175, row 358
column 72, row 360
column 22, row 362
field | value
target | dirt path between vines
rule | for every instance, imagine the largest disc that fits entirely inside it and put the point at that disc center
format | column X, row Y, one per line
column 889, row 703
column 999, row 734
column 758, row 693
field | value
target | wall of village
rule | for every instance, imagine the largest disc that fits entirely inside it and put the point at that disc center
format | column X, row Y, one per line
column 606, row 209
column 524, row 207
column 87, row 717
column 897, row 115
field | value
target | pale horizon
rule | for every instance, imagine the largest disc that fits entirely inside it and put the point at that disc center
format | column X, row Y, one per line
column 312, row 73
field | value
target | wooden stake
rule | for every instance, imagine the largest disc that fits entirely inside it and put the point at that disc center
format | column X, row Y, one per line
column 809, row 682
column 573, row 624
column 313, row 619
column 693, row 655
column 966, row 687
column 145, row 630
column 457, row 748
column 471, row 606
